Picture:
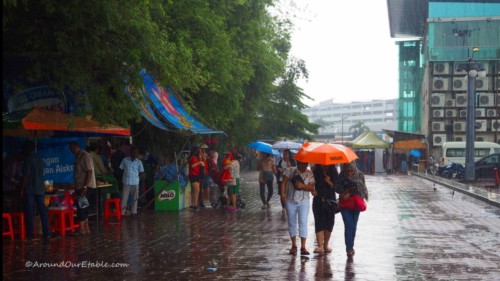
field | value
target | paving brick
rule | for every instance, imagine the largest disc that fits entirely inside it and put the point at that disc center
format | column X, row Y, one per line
column 412, row 230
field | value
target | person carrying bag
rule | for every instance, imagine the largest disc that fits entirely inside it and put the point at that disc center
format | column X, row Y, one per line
column 351, row 187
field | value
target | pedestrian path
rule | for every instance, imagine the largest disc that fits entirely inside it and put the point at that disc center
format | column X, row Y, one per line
column 412, row 230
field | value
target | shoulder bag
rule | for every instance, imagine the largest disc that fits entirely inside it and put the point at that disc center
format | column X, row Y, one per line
column 353, row 203
column 83, row 202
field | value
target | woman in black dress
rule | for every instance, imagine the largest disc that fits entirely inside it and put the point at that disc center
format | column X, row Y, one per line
column 324, row 215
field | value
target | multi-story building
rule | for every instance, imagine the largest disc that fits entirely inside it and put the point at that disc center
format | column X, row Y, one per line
column 443, row 35
column 336, row 119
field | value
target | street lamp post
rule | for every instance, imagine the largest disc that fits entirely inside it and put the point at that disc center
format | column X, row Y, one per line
column 473, row 70
column 342, row 124
column 342, row 127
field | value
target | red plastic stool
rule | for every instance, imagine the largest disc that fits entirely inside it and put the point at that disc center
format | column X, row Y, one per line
column 10, row 230
column 63, row 220
column 118, row 209
column 19, row 224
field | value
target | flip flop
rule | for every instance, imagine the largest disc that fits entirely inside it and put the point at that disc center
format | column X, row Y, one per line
column 328, row 250
column 293, row 251
column 318, row 251
column 304, row 252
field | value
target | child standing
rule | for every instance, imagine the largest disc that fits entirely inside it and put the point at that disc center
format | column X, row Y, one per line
column 234, row 190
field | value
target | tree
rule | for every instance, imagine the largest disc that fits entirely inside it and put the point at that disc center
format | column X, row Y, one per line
column 228, row 60
column 357, row 129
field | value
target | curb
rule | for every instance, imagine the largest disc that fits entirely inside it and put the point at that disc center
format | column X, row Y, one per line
column 489, row 197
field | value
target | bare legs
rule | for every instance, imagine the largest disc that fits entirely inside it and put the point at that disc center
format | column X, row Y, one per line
column 195, row 192
column 323, row 238
column 320, row 237
column 327, row 236
column 233, row 200
column 84, row 227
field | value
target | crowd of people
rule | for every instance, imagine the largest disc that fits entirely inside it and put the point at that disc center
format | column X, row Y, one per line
column 24, row 187
column 204, row 170
column 125, row 168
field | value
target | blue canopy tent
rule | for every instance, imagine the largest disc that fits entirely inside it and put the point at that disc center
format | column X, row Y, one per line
column 163, row 109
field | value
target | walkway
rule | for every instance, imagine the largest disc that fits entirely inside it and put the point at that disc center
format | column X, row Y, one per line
column 411, row 231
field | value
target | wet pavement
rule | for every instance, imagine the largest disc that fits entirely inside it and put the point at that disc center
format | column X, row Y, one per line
column 413, row 229
column 484, row 190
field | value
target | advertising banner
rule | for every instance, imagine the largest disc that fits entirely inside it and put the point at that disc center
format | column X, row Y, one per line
column 57, row 158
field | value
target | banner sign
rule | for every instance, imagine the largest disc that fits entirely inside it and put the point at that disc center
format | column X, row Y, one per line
column 57, row 158
column 167, row 104
column 138, row 98
column 49, row 98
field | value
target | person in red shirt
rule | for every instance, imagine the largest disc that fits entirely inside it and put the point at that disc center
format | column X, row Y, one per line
column 196, row 175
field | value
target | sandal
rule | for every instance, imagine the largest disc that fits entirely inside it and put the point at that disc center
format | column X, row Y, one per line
column 328, row 250
column 350, row 253
column 318, row 251
column 293, row 250
column 304, row 252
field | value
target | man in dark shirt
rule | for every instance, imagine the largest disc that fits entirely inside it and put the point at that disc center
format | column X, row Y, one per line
column 33, row 190
column 116, row 160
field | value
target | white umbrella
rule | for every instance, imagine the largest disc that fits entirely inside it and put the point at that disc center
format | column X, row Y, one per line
column 287, row 145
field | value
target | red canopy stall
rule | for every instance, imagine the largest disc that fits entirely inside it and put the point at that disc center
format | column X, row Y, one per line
column 45, row 120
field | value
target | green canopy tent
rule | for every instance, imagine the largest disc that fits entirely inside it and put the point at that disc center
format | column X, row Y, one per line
column 369, row 140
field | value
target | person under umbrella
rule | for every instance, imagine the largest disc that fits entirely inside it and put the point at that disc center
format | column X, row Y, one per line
column 350, row 181
column 267, row 170
column 298, row 183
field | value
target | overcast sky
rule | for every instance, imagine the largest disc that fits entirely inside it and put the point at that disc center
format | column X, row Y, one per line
column 347, row 49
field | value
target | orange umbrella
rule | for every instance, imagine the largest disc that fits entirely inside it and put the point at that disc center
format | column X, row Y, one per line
column 325, row 153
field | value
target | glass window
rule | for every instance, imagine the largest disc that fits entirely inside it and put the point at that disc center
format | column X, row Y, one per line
column 481, row 152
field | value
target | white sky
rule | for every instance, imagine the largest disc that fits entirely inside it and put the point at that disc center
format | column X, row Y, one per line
column 348, row 50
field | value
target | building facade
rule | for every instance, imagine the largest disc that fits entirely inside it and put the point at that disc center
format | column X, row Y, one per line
column 337, row 119
column 446, row 32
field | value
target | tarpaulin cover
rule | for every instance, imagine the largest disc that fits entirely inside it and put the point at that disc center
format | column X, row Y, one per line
column 164, row 102
column 140, row 100
column 40, row 119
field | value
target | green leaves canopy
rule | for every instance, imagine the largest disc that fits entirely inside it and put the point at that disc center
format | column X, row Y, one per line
column 227, row 59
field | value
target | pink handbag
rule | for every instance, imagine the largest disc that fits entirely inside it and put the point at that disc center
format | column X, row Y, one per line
column 353, row 203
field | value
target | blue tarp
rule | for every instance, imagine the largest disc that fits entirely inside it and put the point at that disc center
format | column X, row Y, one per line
column 139, row 99
column 172, row 173
column 154, row 100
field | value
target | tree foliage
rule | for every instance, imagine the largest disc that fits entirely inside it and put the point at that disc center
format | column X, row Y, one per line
column 228, row 60
column 357, row 129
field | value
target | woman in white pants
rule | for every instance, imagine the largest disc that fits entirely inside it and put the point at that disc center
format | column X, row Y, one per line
column 298, row 183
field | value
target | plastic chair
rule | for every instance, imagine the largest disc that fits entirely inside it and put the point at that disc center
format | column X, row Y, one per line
column 63, row 220
column 118, row 209
column 19, row 224
column 10, row 230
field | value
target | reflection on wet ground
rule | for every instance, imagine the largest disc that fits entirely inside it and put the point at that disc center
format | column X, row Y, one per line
column 411, row 231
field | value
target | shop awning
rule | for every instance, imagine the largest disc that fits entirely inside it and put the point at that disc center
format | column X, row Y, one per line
column 163, row 109
column 405, row 140
column 45, row 120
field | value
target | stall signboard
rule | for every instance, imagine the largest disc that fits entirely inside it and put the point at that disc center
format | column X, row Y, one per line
column 49, row 98
column 58, row 161
column 170, row 196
